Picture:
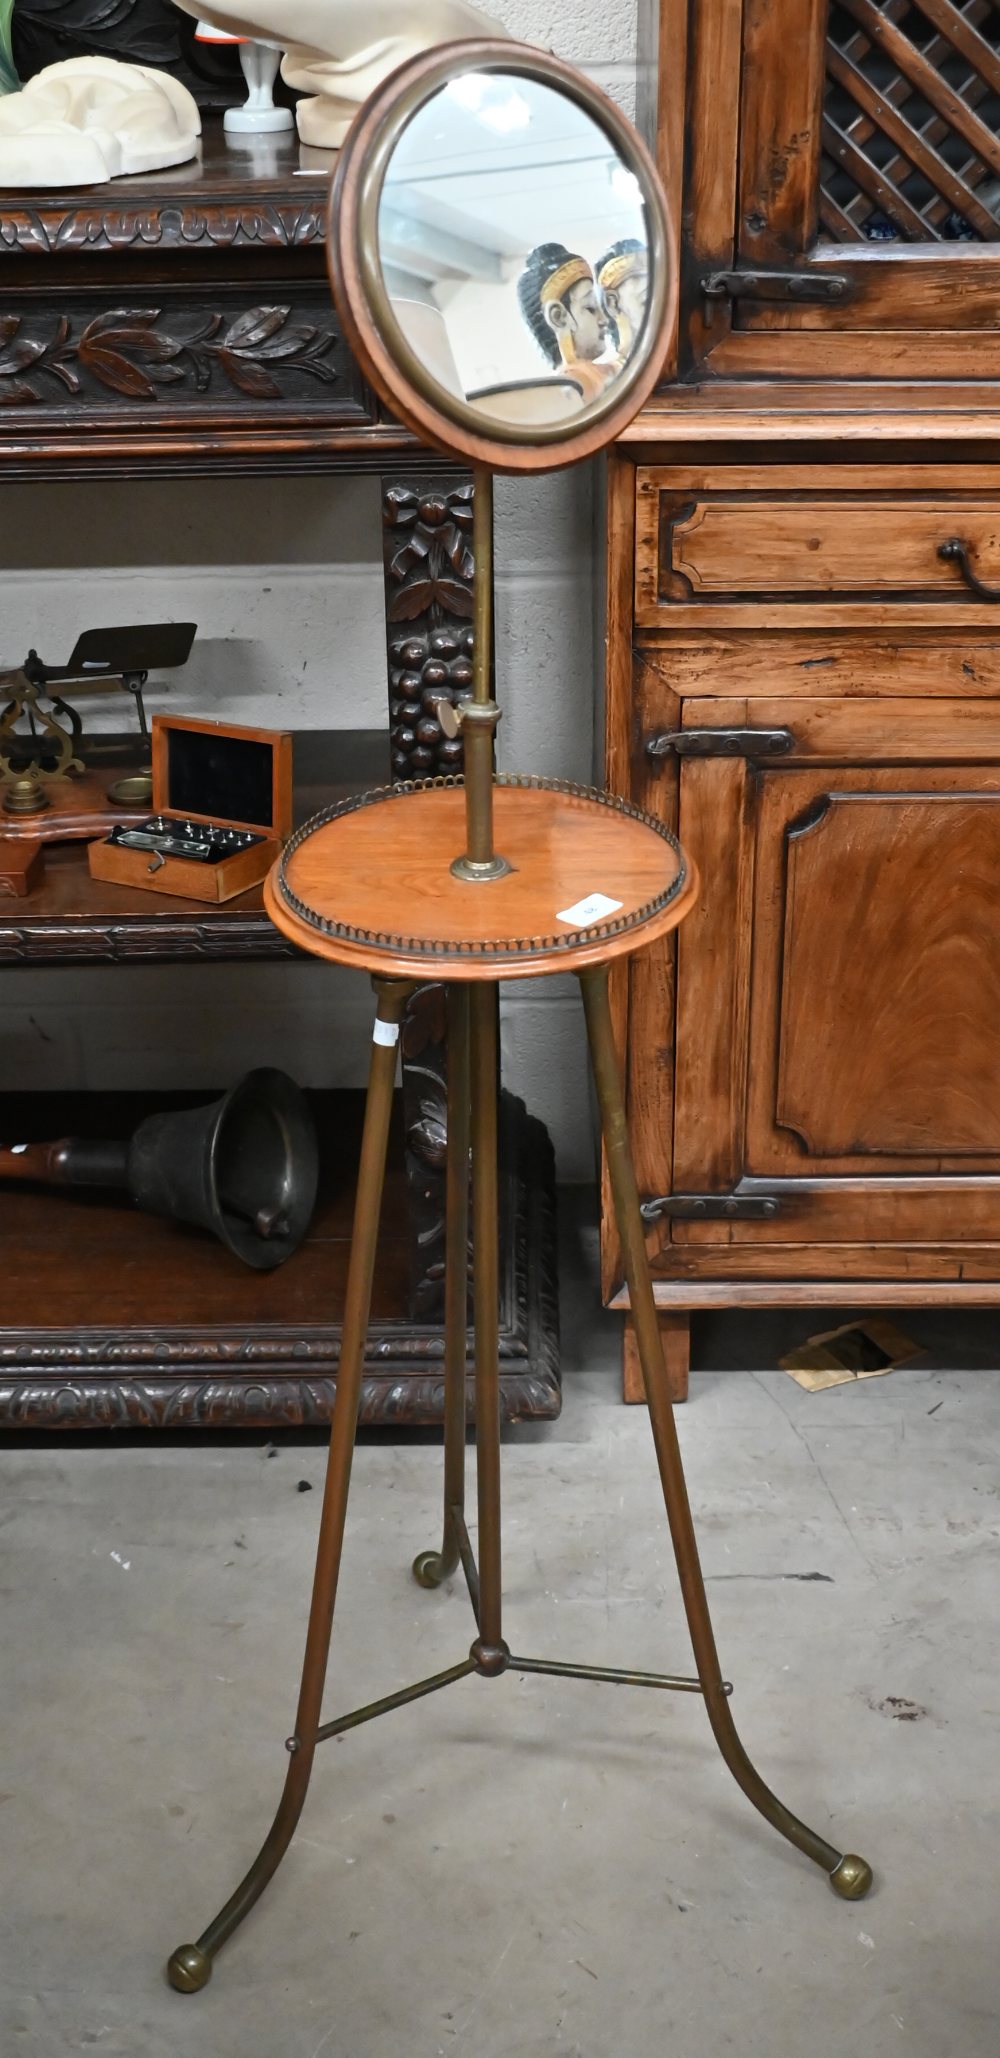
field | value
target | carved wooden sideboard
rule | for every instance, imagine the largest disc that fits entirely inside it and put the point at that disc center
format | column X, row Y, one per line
column 805, row 663
column 182, row 324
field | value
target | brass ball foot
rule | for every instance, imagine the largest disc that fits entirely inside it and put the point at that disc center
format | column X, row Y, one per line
column 189, row 1969
column 852, row 1878
column 428, row 1569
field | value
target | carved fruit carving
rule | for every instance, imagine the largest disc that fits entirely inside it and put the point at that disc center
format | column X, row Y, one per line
column 429, row 570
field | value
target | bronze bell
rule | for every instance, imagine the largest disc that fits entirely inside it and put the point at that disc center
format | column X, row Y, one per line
column 247, row 1167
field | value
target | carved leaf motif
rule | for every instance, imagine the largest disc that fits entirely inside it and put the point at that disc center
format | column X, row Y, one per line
column 106, row 340
column 120, row 375
column 457, row 551
column 258, row 338
column 117, row 317
column 126, row 351
column 432, row 588
column 411, row 600
column 24, row 231
column 263, row 227
column 249, row 377
column 255, row 327
column 307, row 228
column 15, row 354
column 453, row 596
column 20, row 350
column 24, row 352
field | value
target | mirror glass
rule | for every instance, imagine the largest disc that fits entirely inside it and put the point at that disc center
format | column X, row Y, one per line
column 513, row 250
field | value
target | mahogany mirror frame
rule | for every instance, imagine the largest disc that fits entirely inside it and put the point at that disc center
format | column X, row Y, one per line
column 386, row 358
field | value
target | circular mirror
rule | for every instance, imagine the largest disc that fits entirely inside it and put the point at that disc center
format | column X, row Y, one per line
column 501, row 256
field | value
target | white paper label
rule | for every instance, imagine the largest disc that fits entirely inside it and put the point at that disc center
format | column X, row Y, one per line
column 385, row 1032
column 593, row 909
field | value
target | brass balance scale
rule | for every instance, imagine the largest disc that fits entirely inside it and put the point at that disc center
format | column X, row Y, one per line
column 52, row 787
column 447, row 174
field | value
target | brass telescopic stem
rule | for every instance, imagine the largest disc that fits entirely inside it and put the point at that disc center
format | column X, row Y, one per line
column 482, row 601
column 489, row 1650
column 480, row 714
column 851, row 1876
column 431, row 1567
column 191, row 1965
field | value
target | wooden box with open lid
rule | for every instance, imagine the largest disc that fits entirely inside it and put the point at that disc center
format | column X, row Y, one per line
column 222, row 808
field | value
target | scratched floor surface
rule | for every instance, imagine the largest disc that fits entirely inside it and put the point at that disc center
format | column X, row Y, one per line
column 520, row 1868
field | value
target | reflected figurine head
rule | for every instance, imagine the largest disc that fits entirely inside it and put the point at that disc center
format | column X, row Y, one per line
column 622, row 281
column 559, row 302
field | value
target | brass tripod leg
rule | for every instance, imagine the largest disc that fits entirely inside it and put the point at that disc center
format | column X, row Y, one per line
column 190, row 1966
column 431, row 1567
column 849, row 1875
column 489, row 1651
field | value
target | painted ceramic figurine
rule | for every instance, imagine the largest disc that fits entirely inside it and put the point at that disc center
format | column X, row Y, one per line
column 560, row 304
column 337, row 52
column 92, row 119
column 622, row 276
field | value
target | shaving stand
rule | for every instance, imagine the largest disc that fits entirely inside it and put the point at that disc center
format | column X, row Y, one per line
column 517, row 903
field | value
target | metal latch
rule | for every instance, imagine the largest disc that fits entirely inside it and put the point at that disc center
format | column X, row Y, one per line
column 711, row 1207
column 720, row 743
column 814, row 285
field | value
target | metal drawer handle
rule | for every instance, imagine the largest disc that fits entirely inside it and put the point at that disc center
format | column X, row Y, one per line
column 720, row 743
column 956, row 552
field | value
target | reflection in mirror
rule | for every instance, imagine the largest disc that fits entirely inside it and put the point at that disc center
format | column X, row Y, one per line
column 513, row 249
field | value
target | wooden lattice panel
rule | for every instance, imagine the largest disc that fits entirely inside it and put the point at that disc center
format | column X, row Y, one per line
column 911, row 126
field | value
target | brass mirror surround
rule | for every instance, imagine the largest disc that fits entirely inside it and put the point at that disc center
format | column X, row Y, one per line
column 438, row 415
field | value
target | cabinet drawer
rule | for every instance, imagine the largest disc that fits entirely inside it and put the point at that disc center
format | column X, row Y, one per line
column 771, row 731
column 820, row 544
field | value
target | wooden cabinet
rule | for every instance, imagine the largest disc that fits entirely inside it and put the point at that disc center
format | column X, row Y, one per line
column 804, row 663
column 835, row 167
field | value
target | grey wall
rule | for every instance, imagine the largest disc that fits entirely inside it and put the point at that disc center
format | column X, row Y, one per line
column 284, row 580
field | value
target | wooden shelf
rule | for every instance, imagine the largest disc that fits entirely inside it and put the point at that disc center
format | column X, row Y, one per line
column 116, row 1319
column 278, row 191
column 72, row 918
column 94, row 1338
column 181, row 324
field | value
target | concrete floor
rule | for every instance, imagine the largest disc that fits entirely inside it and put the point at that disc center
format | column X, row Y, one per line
column 519, row 1869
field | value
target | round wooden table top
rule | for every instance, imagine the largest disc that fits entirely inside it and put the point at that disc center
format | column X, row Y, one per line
column 369, row 883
